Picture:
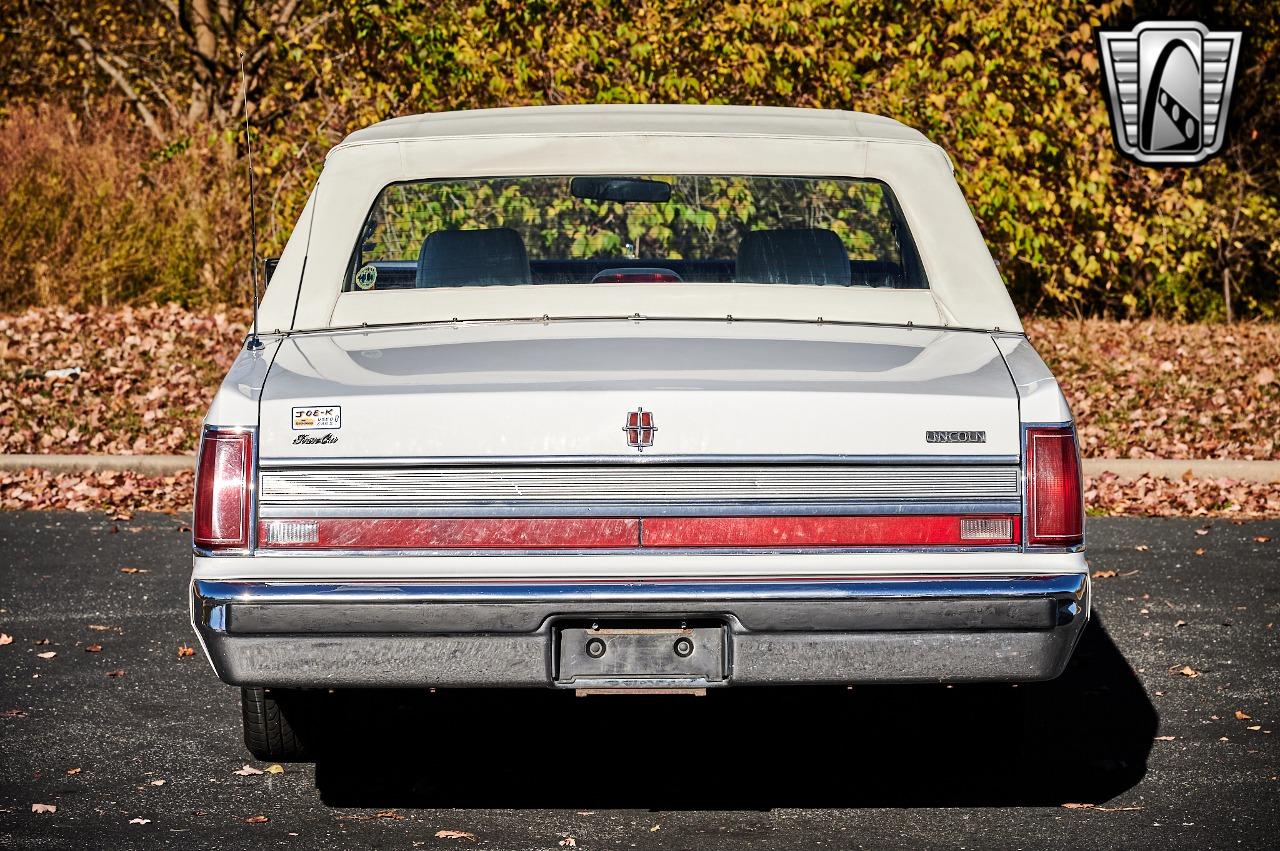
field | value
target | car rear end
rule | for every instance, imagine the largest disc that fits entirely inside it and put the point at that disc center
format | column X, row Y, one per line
column 641, row 560
column 616, row 399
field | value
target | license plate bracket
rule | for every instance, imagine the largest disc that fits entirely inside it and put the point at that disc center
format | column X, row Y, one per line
column 640, row 653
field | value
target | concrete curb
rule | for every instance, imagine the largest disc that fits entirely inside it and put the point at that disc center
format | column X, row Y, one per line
column 147, row 465
column 1125, row 468
column 1212, row 468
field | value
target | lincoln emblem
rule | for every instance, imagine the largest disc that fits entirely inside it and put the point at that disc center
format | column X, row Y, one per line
column 640, row 428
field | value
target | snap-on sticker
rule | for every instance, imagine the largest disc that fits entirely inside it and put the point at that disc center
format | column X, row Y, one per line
column 319, row 416
column 367, row 277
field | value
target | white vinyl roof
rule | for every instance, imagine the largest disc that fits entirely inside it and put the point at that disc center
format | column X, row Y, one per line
column 681, row 119
column 965, row 287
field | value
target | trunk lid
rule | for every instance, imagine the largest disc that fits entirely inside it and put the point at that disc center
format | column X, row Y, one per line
column 563, row 390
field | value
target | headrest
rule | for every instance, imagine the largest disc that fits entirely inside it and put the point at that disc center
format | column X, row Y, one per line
column 475, row 258
column 807, row 256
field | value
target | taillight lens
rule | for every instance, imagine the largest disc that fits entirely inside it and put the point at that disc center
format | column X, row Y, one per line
column 1055, row 492
column 222, row 509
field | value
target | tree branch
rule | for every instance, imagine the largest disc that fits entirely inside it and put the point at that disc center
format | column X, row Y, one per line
column 111, row 68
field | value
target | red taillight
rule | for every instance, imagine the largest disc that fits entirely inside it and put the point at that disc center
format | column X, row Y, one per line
column 485, row 533
column 1055, row 493
column 906, row 530
column 222, row 509
column 530, row 533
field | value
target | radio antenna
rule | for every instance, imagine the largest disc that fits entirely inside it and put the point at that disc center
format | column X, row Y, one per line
column 253, row 343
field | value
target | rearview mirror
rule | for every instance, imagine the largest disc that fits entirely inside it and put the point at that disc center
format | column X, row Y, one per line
column 624, row 189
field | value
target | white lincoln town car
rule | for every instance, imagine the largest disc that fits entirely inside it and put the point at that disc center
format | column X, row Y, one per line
column 621, row 398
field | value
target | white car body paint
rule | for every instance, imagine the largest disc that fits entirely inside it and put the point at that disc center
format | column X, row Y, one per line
column 715, row 388
column 546, row 374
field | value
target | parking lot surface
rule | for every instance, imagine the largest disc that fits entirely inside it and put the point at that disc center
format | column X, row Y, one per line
column 1163, row 732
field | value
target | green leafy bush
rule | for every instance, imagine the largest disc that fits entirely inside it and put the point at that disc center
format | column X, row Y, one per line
column 1012, row 88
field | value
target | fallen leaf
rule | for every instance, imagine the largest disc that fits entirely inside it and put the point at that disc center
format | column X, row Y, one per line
column 654, row 829
column 5, row 639
column 93, row 648
column 40, row 642
column 1103, row 574
column 139, row 821
column 1142, row 548
column 184, row 650
column 44, row 808
column 455, row 834
column 1265, row 376
column 257, row 820
column 1254, row 727
column 586, row 812
column 157, row 782
column 1078, row 806
column 71, row 772
column 48, row 654
column 13, row 713
column 1165, row 738
column 116, row 674
column 569, row 842
column 387, row 814
column 1179, row 623
column 275, row 768
column 247, row 770
column 1262, row 539
column 1240, row 716
column 1199, row 551
column 1188, row 672
column 99, row 627
column 1203, row 530
column 130, row 570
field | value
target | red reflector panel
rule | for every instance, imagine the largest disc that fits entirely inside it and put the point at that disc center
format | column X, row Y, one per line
column 221, row 517
column 416, row 533
column 866, row 531
column 1055, row 515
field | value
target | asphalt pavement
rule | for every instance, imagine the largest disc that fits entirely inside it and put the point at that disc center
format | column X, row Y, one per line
column 1163, row 732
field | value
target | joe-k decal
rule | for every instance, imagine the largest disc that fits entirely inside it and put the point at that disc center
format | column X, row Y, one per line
column 1169, row 87
column 640, row 428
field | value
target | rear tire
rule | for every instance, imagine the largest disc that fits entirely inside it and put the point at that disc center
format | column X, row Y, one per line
column 269, row 732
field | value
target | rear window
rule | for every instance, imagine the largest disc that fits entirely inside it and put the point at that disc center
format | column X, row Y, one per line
column 660, row 230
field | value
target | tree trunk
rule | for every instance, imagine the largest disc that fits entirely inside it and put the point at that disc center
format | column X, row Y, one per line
column 1226, row 293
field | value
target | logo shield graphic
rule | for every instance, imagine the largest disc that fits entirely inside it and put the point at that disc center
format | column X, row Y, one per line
column 1169, row 87
column 640, row 428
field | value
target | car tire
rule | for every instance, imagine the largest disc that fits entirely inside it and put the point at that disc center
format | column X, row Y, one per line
column 270, row 724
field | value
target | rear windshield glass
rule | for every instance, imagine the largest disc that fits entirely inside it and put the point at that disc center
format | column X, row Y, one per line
column 601, row 230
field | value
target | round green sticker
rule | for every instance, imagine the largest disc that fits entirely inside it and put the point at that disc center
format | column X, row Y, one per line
column 367, row 277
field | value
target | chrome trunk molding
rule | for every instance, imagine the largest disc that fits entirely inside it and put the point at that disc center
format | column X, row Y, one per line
column 627, row 509
column 287, row 461
column 810, row 488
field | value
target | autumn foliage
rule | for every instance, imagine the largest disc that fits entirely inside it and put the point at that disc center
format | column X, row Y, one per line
column 134, row 106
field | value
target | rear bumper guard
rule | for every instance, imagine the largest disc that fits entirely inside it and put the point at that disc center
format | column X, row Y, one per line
column 391, row 634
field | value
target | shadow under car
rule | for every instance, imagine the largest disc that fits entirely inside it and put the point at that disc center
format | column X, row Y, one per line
column 1083, row 737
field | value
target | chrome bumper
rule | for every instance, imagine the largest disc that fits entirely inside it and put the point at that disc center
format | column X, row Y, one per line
column 375, row 634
